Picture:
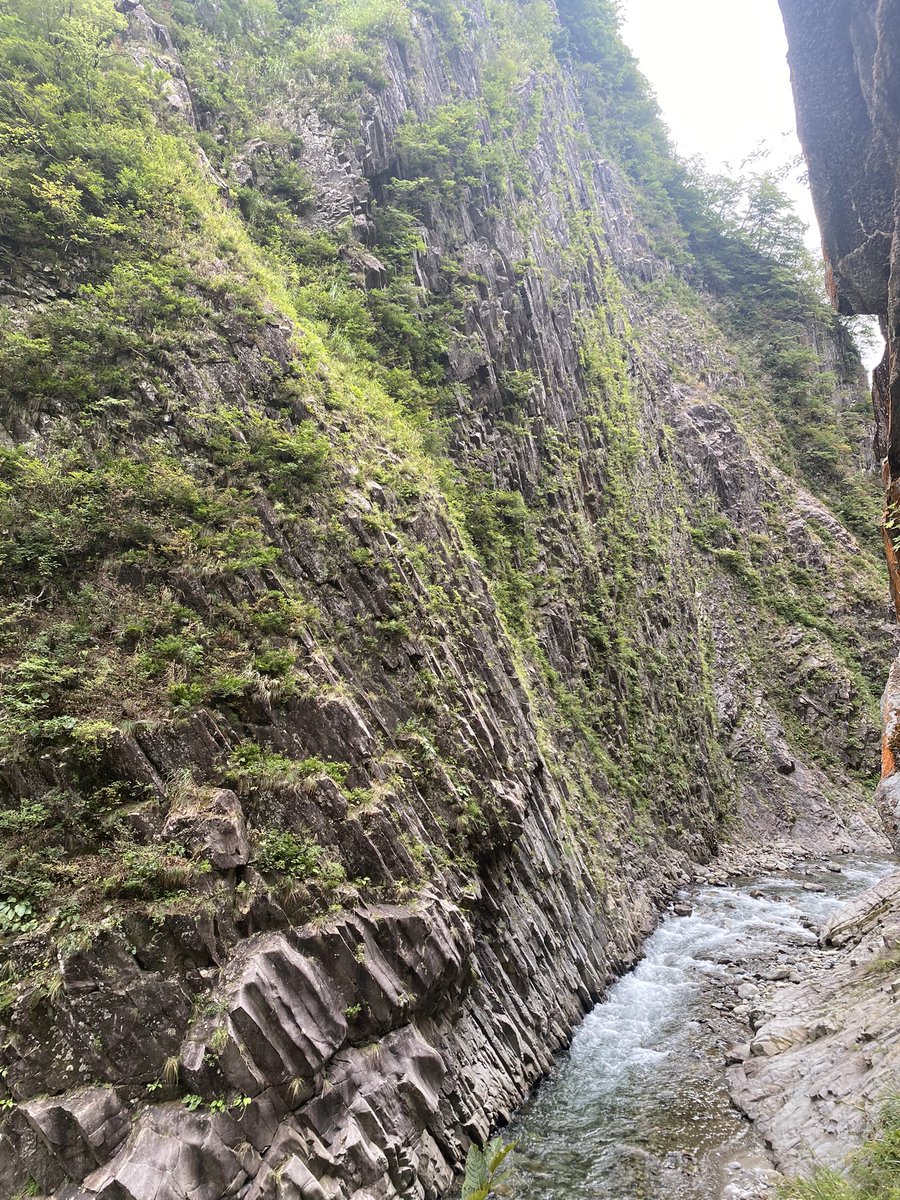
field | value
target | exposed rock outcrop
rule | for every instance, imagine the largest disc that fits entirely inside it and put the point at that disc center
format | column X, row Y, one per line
column 825, row 1052
column 845, row 63
column 340, row 899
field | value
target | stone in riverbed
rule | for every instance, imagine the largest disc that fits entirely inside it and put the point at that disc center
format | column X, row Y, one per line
column 682, row 909
column 738, row 1052
column 777, row 1036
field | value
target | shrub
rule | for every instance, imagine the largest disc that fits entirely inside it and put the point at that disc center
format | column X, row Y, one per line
column 151, row 872
column 16, row 916
column 250, row 766
column 445, row 151
column 279, row 852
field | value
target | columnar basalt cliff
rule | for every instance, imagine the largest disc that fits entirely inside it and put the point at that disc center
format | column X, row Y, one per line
column 414, row 560
column 845, row 66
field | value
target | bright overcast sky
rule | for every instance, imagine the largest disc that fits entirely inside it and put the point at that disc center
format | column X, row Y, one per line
column 719, row 70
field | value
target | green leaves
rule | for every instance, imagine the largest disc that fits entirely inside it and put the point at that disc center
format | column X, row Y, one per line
column 16, row 916
column 483, row 1171
column 446, row 151
column 63, row 514
column 87, row 162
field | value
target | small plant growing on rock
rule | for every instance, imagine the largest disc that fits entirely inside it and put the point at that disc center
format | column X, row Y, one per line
column 871, row 1173
column 251, row 767
column 16, row 916
column 219, row 1038
column 483, row 1169
column 171, row 1070
column 281, row 852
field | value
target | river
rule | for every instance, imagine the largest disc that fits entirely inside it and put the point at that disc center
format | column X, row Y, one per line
column 638, row 1108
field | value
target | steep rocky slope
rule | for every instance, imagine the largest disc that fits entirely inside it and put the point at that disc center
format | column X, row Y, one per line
column 843, row 57
column 407, row 575
column 824, row 1057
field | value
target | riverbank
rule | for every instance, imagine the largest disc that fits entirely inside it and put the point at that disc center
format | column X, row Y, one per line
column 825, row 1047
column 641, row 1104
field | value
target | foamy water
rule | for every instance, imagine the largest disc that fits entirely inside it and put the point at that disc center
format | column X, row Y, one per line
column 638, row 1108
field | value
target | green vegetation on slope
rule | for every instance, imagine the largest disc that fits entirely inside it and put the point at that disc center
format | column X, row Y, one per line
column 143, row 535
column 197, row 377
column 872, row 1173
column 739, row 240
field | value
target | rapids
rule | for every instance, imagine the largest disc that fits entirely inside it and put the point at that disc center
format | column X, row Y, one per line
column 638, row 1108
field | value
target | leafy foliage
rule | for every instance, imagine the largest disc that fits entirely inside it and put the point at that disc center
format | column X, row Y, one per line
column 172, row 444
column 443, row 154
column 283, row 853
column 16, row 916
column 483, row 1169
column 622, row 115
column 88, row 165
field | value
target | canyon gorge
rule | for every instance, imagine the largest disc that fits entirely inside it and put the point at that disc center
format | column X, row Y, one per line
column 438, row 526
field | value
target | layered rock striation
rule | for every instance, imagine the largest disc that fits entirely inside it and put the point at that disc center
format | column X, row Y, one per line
column 843, row 58
column 405, row 589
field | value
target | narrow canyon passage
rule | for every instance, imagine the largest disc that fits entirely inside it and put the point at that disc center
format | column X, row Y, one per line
column 435, row 514
column 639, row 1107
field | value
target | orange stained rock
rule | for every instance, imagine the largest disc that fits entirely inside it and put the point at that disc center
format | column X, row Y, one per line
column 888, row 761
column 893, row 563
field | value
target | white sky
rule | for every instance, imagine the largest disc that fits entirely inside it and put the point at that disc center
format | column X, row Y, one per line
column 719, row 70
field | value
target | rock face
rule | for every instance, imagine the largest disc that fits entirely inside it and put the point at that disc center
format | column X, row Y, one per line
column 843, row 66
column 826, row 1055
column 311, row 923
column 211, row 825
column 844, row 57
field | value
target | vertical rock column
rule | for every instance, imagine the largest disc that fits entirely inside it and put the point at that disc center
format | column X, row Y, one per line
column 845, row 70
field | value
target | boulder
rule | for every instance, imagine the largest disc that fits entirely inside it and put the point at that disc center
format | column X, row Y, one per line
column 210, row 822
column 174, row 1154
column 777, row 1036
column 81, row 1130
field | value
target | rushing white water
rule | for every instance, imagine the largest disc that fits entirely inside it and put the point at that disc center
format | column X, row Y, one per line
column 638, row 1108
